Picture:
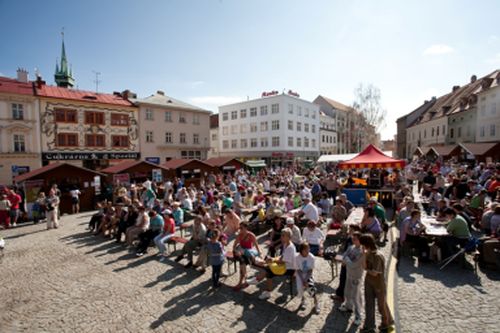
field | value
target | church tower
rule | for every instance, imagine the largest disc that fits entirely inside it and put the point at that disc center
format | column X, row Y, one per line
column 63, row 75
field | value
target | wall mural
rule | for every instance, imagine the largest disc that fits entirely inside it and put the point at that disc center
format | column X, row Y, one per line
column 50, row 128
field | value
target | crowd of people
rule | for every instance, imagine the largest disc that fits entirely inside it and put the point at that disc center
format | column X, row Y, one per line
column 226, row 214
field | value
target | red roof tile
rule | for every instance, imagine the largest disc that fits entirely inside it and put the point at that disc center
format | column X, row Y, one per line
column 12, row 86
column 39, row 171
column 80, row 95
column 125, row 165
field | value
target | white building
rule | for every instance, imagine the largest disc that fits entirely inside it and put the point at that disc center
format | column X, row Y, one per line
column 214, row 136
column 488, row 115
column 327, row 134
column 278, row 128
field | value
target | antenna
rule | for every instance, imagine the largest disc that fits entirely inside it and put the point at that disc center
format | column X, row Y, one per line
column 97, row 81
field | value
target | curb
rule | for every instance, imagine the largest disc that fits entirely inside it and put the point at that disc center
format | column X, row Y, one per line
column 391, row 281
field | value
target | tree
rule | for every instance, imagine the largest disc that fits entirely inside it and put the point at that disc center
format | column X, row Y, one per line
column 367, row 102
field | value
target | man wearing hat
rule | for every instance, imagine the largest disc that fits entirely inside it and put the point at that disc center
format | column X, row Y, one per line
column 296, row 237
column 309, row 210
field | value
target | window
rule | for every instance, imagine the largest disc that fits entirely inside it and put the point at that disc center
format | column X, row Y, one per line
column 492, row 130
column 234, row 129
column 65, row 115
column 243, row 128
column 299, row 126
column 225, row 130
column 120, row 141
column 234, row 144
column 299, row 142
column 299, row 111
column 444, row 129
column 168, row 137
column 253, row 143
column 95, row 140
column 264, row 142
column 306, row 128
column 425, row 133
column 214, row 137
column 168, row 116
column 243, row 143
column 493, row 108
column 275, row 108
column 482, row 131
column 225, row 144
column 68, row 140
column 196, row 119
column 313, row 142
column 253, row 112
column 19, row 145
column 182, row 138
column 225, row 116
column 322, row 138
column 451, row 133
column 182, row 117
column 149, row 114
column 483, row 110
column 243, row 113
column 290, row 108
column 94, row 118
column 313, row 128
column 263, row 126
column 290, row 125
column 118, row 119
column 275, row 125
column 275, row 141
column 234, row 115
column 306, row 112
column 196, row 139
column 459, row 132
column 468, row 130
column 313, row 114
column 432, row 132
column 306, row 142
column 253, row 127
column 263, row 110
column 437, row 130
column 17, row 111
column 290, row 141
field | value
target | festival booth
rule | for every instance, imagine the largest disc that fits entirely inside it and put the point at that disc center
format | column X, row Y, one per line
column 128, row 172
column 443, row 153
column 359, row 189
column 488, row 152
column 67, row 177
column 191, row 170
column 225, row 164
column 255, row 165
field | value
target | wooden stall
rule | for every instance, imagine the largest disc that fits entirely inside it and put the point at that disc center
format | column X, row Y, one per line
column 225, row 164
column 136, row 171
column 67, row 177
column 192, row 170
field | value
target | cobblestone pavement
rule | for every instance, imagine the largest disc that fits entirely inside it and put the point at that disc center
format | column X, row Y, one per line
column 452, row 300
column 67, row 280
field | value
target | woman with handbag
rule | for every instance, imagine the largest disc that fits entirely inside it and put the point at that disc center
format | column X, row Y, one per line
column 282, row 265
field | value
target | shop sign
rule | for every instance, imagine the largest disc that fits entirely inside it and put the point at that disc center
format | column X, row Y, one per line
column 91, row 156
column 154, row 160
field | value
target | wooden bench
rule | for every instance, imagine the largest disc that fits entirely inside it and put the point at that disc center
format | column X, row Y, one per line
column 185, row 226
column 174, row 240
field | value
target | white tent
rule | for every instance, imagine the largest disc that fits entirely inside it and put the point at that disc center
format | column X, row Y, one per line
column 335, row 158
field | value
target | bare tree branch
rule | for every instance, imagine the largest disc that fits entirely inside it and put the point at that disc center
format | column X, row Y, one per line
column 367, row 102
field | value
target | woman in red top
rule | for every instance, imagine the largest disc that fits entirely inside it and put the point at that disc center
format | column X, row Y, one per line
column 168, row 232
column 245, row 250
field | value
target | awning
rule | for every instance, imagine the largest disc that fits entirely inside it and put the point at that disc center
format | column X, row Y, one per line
column 256, row 163
column 372, row 157
column 334, row 158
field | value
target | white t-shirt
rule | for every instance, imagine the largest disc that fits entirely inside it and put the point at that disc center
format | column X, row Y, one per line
column 314, row 237
column 311, row 212
column 304, row 264
column 75, row 193
column 289, row 256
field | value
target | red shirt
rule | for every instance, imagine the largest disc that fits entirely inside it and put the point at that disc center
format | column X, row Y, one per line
column 493, row 186
column 169, row 226
column 14, row 199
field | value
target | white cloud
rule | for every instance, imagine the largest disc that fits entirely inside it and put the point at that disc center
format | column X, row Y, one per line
column 494, row 60
column 438, row 49
column 212, row 102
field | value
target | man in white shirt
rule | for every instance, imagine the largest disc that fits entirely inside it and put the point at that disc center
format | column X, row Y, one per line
column 75, row 200
column 309, row 210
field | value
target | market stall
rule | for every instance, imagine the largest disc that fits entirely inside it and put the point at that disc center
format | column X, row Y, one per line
column 67, row 177
column 135, row 171
column 376, row 163
column 191, row 170
column 225, row 164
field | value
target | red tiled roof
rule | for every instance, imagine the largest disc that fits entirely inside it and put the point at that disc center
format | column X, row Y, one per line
column 80, row 95
column 8, row 85
column 125, row 165
column 180, row 162
column 219, row 161
column 42, row 170
column 445, row 150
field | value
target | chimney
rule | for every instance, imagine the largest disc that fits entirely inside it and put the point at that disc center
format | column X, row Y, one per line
column 22, row 75
column 455, row 88
column 473, row 79
column 39, row 82
column 433, row 98
column 160, row 92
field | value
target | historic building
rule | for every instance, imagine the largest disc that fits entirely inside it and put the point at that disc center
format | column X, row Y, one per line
column 90, row 129
column 214, row 136
column 19, row 127
column 171, row 129
column 488, row 114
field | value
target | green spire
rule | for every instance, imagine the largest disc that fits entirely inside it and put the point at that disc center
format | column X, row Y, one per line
column 63, row 75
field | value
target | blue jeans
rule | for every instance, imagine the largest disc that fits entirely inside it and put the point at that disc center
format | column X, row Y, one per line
column 216, row 269
column 314, row 249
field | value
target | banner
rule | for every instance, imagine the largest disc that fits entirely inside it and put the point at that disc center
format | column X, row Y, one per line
column 157, row 175
column 32, row 188
column 121, row 178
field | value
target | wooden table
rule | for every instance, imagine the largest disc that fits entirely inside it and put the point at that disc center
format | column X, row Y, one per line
column 249, row 210
column 434, row 228
column 355, row 217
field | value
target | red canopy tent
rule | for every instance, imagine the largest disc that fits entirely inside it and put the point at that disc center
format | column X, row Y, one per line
column 371, row 157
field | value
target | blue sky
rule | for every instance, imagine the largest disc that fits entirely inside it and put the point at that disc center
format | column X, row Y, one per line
column 215, row 52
